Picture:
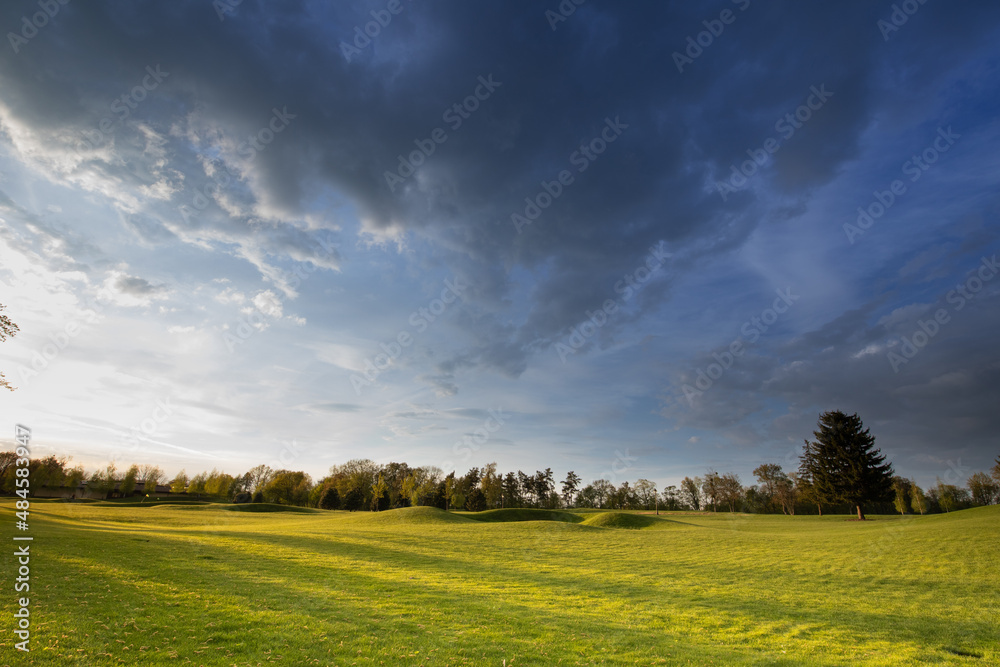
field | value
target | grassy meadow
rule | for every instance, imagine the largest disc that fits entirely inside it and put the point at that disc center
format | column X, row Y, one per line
column 210, row 584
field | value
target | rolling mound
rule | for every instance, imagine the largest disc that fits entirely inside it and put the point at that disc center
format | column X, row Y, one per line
column 121, row 504
column 621, row 520
column 269, row 507
column 414, row 515
column 524, row 514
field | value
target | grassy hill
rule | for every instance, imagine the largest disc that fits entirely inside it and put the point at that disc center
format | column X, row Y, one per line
column 206, row 585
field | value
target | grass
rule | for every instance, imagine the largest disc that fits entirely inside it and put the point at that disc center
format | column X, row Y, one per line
column 626, row 520
column 202, row 585
column 523, row 514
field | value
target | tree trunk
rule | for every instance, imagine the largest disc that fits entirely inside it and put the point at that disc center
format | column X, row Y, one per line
column 820, row 508
column 861, row 515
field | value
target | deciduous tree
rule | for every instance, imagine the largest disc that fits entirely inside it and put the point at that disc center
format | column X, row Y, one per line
column 288, row 488
column 710, row 487
column 691, row 492
column 730, row 490
column 258, row 477
column 492, row 486
column 901, row 489
column 7, row 330
column 569, row 487
column 197, row 484
column 129, row 480
column 603, row 491
column 671, row 498
column 787, row 492
column 770, row 477
column 645, row 493
column 380, row 494
column 151, row 476
column 984, row 490
column 918, row 501
column 179, row 483
column 951, row 497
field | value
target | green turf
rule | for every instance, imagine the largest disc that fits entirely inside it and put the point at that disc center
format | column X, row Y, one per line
column 268, row 507
column 200, row 585
column 409, row 515
column 523, row 514
column 626, row 520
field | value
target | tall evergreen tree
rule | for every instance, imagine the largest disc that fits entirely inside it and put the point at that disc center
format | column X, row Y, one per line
column 843, row 464
column 330, row 499
column 476, row 500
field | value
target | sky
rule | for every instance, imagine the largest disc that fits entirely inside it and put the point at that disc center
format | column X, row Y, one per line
column 634, row 240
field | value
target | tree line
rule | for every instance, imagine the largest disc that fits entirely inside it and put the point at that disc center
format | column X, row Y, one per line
column 840, row 470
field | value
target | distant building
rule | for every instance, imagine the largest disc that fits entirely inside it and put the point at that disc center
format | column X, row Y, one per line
column 83, row 490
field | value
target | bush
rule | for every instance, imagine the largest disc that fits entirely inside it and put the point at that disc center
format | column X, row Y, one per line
column 242, row 497
column 258, row 497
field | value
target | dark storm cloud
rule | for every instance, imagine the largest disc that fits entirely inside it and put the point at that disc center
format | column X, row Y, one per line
column 556, row 90
column 925, row 395
column 201, row 156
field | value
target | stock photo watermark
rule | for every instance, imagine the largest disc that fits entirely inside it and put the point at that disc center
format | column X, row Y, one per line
column 786, row 126
column 22, row 583
column 621, row 464
column 581, row 158
column 419, row 320
column 268, row 304
column 713, row 30
column 901, row 13
column 473, row 442
column 144, row 430
column 455, row 115
column 122, row 106
column 253, row 145
column 61, row 340
column 363, row 36
column 565, row 9
column 751, row 330
column 628, row 286
column 914, row 168
column 224, row 8
column 927, row 329
column 30, row 25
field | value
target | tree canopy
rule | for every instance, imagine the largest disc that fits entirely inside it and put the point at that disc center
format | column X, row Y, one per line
column 842, row 464
column 7, row 330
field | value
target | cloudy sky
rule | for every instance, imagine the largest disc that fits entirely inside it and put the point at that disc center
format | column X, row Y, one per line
column 632, row 240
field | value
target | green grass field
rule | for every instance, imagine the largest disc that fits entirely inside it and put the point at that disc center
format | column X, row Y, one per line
column 207, row 584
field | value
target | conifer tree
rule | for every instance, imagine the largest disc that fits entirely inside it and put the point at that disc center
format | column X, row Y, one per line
column 843, row 465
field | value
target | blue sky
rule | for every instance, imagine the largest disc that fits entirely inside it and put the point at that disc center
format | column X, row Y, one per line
column 215, row 217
